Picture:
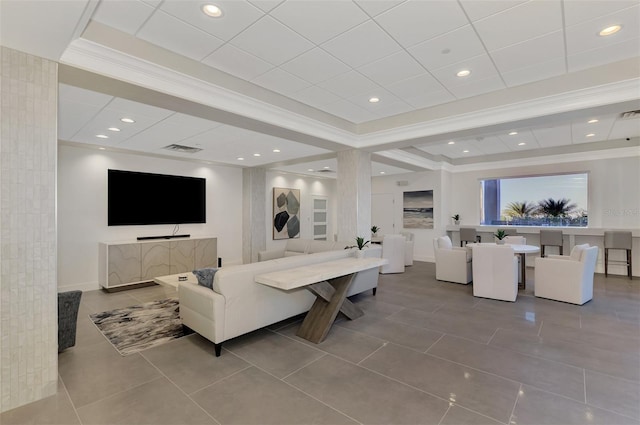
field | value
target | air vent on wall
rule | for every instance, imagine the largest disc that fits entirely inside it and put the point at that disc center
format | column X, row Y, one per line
column 630, row 115
column 181, row 148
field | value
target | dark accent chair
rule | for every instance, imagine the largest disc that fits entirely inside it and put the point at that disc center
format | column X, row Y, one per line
column 68, row 304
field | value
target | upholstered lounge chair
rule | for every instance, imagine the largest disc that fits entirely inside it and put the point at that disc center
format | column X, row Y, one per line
column 453, row 264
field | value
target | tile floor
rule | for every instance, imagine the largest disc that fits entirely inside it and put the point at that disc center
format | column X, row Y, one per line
column 426, row 352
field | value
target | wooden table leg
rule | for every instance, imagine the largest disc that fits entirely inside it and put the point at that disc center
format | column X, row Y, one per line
column 322, row 314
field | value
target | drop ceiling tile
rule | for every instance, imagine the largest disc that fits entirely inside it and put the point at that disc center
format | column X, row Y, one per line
column 265, row 5
column 480, row 66
column 440, row 148
column 397, row 67
column 415, row 21
column 520, row 23
column 281, row 81
column 553, row 136
column 137, row 111
column 348, row 111
column 349, row 84
column 459, row 44
column 623, row 129
column 539, row 49
column 537, row 72
column 125, row 16
column 315, row 65
column 281, row 44
column 586, row 10
column 88, row 97
column 236, row 62
column 361, row 45
column 388, row 104
column 600, row 130
column 154, row 3
column 425, row 100
column 376, row 7
column 170, row 33
column 604, row 55
column 422, row 84
column 584, row 36
column 319, row 21
column 478, row 9
column 490, row 145
column 72, row 116
column 237, row 15
column 194, row 125
column 315, row 96
column 162, row 134
column 523, row 136
column 476, row 87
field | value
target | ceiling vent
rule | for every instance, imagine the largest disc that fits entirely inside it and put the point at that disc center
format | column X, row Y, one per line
column 630, row 115
column 181, row 148
column 324, row 170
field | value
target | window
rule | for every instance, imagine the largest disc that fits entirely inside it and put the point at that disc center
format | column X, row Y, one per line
column 553, row 200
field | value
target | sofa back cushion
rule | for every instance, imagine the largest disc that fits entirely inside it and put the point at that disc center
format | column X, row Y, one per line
column 320, row 246
column 297, row 245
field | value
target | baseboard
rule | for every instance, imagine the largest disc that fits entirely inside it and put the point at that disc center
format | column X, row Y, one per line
column 87, row 286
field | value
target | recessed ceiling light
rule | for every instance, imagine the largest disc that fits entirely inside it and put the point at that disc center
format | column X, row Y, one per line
column 276, row 150
column 127, row 120
column 212, row 10
column 610, row 30
column 521, row 144
column 464, row 73
column 256, row 154
column 513, row 133
column 309, row 169
column 240, row 158
column 326, row 168
column 101, row 148
column 592, row 121
column 590, row 135
column 465, row 151
column 451, row 143
column 113, row 129
column 381, row 172
column 102, row 136
column 374, row 99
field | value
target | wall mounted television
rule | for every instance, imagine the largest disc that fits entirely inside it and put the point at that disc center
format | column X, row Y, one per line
column 136, row 198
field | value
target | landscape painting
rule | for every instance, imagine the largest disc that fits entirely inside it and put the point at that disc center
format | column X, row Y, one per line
column 418, row 209
column 286, row 212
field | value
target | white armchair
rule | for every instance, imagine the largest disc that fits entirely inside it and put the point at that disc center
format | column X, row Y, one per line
column 393, row 250
column 567, row 278
column 408, row 248
column 515, row 240
column 453, row 264
column 495, row 272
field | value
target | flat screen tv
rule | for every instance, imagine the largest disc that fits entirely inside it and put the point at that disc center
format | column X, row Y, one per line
column 143, row 198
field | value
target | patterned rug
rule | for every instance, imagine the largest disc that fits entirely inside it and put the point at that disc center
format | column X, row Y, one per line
column 143, row 326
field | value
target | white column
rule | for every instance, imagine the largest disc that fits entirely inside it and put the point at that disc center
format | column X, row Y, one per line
column 254, row 224
column 28, row 287
column 354, row 195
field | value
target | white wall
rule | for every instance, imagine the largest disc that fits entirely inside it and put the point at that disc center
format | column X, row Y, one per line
column 309, row 187
column 82, row 209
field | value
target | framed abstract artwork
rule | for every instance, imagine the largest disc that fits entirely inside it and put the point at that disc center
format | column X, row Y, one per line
column 417, row 212
column 286, row 213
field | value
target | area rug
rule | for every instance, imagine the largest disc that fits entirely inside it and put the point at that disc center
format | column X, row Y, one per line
column 143, row 326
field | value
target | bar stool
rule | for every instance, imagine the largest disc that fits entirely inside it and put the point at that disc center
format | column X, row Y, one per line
column 468, row 234
column 550, row 238
column 617, row 240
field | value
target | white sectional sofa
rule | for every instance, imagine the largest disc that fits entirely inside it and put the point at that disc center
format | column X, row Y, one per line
column 238, row 305
column 300, row 247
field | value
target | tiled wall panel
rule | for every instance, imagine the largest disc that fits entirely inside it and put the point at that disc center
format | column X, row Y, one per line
column 28, row 289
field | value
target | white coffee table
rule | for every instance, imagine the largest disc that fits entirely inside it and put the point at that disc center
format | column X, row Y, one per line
column 173, row 280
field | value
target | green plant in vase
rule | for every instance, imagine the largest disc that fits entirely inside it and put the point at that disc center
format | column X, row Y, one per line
column 500, row 235
column 456, row 218
column 374, row 231
column 360, row 244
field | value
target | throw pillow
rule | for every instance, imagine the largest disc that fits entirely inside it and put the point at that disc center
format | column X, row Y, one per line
column 205, row 276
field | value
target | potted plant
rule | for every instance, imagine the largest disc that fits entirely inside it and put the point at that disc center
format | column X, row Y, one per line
column 374, row 231
column 456, row 219
column 500, row 235
column 360, row 244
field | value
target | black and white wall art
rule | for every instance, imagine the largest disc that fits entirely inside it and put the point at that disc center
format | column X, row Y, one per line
column 286, row 213
column 417, row 210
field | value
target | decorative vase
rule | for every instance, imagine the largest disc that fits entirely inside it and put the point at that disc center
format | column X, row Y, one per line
column 500, row 242
column 456, row 222
column 360, row 253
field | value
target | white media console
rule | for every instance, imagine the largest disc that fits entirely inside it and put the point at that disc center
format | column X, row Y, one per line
column 128, row 263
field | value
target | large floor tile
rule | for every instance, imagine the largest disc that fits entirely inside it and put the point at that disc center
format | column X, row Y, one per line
column 99, row 300
column 255, row 397
column 536, row 407
column 158, row 402
column 618, row 395
column 593, row 338
column 273, row 352
column 96, row 371
column 407, row 300
column 191, row 364
column 366, row 396
column 576, row 353
column 54, row 410
column 481, row 392
column 410, row 336
column 545, row 374
column 457, row 415
column 623, row 329
column 346, row 344
column 376, row 307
